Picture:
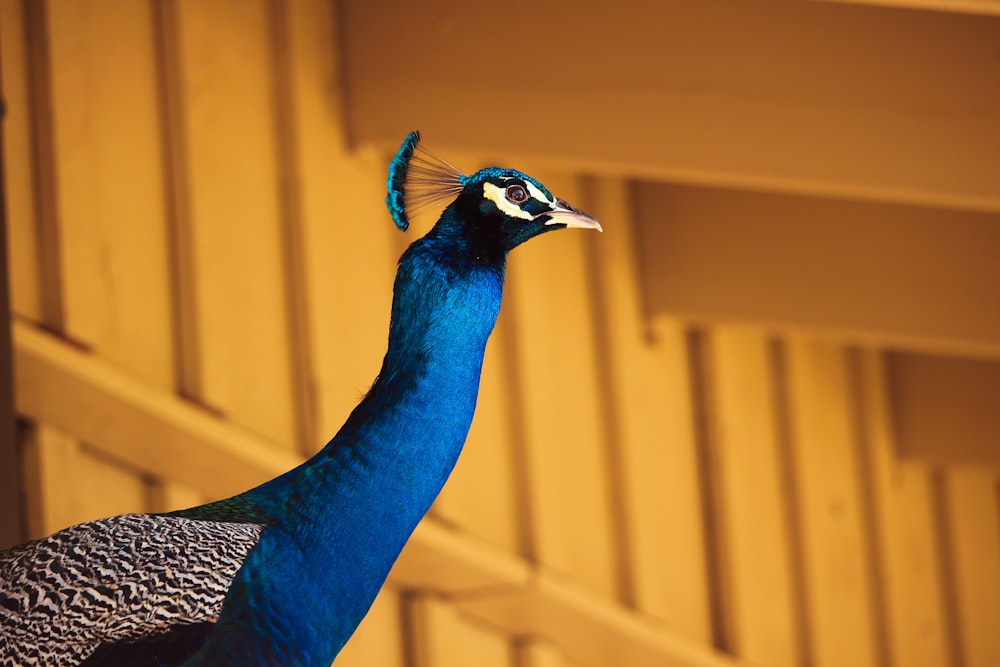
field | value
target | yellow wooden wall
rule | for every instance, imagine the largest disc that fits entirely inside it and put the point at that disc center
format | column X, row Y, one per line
column 201, row 266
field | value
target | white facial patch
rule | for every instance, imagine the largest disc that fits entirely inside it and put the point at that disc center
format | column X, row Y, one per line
column 498, row 196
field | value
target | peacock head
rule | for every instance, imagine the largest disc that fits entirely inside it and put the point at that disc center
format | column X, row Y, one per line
column 504, row 205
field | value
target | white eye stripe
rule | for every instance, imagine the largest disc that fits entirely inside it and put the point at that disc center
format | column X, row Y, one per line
column 498, row 196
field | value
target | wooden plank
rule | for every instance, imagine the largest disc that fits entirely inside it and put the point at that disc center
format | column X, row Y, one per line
column 442, row 637
column 909, row 564
column 18, row 165
column 350, row 244
column 229, row 127
column 692, row 92
column 971, row 499
column 549, row 298
column 110, row 184
column 760, row 607
column 838, row 576
column 945, row 408
column 379, row 639
column 70, row 484
column 649, row 390
column 779, row 271
column 537, row 653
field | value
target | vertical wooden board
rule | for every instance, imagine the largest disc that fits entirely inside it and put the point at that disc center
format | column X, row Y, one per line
column 229, row 128
column 538, row 653
column 445, row 638
column 905, row 528
column 560, row 400
column 974, row 540
column 18, row 164
column 759, row 592
column 653, row 425
column 110, row 183
column 378, row 641
column 350, row 242
column 69, row 484
column 479, row 497
column 826, row 473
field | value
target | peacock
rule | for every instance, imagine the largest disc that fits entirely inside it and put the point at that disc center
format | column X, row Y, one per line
column 283, row 573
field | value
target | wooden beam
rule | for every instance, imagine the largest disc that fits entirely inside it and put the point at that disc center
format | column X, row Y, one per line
column 945, row 409
column 899, row 276
column 981, row 7
column 765, row 95
column 147, row 428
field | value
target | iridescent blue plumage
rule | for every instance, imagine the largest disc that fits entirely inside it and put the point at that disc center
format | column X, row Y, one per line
column 318, row 541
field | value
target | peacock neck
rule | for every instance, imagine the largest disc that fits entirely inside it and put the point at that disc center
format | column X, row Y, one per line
column 341, row 519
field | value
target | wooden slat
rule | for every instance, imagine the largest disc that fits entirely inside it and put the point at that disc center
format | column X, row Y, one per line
column 647, row 369
column 441, row 637
column 70, row 483
column 226, row 79
column 971, row 499
column 110, row 184
column 349, row 241
column 838, row 576
column 537, row 653
column 909, row 564
column 760, row 606
column 379, row 639
column 569, row 485
column 18, row 165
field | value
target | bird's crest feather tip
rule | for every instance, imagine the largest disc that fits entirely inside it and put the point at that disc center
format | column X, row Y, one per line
column 418, row 178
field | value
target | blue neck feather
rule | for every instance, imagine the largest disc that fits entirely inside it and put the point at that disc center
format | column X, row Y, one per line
column 338, row 522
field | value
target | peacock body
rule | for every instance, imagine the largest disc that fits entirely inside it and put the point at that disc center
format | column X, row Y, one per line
column 283, row 573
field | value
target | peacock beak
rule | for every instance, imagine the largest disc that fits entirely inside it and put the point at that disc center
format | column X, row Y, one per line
column 564, row 214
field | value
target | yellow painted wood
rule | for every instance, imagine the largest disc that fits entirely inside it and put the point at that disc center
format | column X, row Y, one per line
column 826, row 467
column 759, row 609
column 378, row 641
column 946, row 408
column 167, row 496
column 548, row 296
column 654, row 416
column 537, row 653
column 973, row 518
column 18, row 164
column 910, row 567
column 110, row 183
column 736, row 96
column 229, row 127
column 445, row 638
column 819, row 277
column 149, row 429
column 350, row 241
column 70, row 483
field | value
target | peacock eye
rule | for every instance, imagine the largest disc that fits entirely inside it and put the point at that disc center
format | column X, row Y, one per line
column 516, row 194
